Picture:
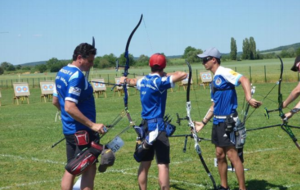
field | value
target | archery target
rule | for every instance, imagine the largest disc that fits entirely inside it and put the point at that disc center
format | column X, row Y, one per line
column 98, row 84
column 206, row 76
column 21, row 89
column 47, row 87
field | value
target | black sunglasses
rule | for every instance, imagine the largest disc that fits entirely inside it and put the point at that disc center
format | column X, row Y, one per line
column 206, row 59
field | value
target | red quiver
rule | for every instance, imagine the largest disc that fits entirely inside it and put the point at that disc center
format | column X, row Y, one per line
column 86, row 158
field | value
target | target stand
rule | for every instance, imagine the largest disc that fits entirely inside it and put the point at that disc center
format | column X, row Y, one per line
column 47, row 90
column 206, row 78
column 21, row 92
column 99, row 87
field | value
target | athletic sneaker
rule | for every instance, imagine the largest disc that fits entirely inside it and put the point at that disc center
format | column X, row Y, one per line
column 223, row 188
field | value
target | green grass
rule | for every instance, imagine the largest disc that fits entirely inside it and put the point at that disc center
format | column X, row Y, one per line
column 27, row 160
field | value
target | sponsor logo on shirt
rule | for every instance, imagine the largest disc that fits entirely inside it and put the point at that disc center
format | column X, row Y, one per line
column 75, row 90
column 233, row 73
column 218, row 81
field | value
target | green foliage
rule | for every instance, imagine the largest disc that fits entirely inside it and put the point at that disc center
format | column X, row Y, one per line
column 7, row 66
column 41, row 68
column 297, row 52
column 249, row 49
column 233, row 49
column 143, row 60
column 190, row 54
column 122, row 60
column 11, row 68
column 1, row 70
column 187, row 50
column 26, row 68
column 54, row 65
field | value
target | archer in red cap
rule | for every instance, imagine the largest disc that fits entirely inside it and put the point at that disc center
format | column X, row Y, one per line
column 153, row 139
column 157, row 61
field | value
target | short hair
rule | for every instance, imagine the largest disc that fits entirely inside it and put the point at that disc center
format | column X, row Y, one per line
column 156, row 68
column 218, row 60
column 84, row 49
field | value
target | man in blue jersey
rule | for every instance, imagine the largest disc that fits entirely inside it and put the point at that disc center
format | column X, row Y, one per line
column 153, row 94
column 224, row 114
column 74, row 97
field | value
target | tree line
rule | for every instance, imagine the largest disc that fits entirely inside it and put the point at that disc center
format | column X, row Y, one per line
column 190, row 53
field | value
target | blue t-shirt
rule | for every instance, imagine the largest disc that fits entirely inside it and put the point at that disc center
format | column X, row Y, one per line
column 223, row 92
column 71, row 85
column 153, row 94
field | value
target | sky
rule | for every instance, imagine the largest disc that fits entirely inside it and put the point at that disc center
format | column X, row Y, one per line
column 38, row 30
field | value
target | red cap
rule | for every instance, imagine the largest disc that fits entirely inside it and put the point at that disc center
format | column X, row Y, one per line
column 158, row 59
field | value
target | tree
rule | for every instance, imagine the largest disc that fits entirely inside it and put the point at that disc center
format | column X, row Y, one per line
column 187, row 50
column 1, row 70
column 41, row 68
column 122, row 60
column 5, row 65
column 297, row 52
column 246, row 49
column 142, row 60
column 233, row 49
column 54, row 65
column 192, row 55
column 11, row 68
column 252, row 49
column 18, row 67
column 52, row 62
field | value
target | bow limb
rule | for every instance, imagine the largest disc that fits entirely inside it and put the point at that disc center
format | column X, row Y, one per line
column 192, row 126
column 126, row 68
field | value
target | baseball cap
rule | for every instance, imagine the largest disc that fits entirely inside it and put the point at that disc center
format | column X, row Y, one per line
column 158, row 59
column 107, row 159
column 212, row 52
column 297, row 60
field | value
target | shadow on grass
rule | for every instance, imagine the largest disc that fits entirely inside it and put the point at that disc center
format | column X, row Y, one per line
column 176, row 186
column 263, row 185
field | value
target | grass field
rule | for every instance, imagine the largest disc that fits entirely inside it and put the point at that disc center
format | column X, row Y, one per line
column 28, row 162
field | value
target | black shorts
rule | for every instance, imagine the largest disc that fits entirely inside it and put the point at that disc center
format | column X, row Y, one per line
column 161, row 149
column 72, row 149
column 220, row 137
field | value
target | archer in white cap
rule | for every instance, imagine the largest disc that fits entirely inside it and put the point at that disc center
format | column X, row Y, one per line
column 224, row 114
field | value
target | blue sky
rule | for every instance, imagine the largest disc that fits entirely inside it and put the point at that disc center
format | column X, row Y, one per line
column 38, row 30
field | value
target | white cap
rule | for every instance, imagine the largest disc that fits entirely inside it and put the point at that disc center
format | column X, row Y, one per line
column 212, row 52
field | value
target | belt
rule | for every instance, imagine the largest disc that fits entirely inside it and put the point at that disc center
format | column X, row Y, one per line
column 155, row 120
column 220, row 116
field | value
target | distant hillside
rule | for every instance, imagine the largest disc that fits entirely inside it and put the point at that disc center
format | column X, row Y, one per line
column 34, row 63
column 280, row 48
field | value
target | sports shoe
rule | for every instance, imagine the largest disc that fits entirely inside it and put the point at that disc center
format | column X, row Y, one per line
column 223, row 188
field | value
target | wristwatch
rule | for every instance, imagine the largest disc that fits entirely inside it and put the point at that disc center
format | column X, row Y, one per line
column 295, row 110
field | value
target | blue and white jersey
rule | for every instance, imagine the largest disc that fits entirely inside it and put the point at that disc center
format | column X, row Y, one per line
column 71, row 85
column 153, row 93
column 223, row 92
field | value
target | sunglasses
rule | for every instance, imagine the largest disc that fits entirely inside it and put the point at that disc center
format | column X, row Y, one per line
column 206, row 59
